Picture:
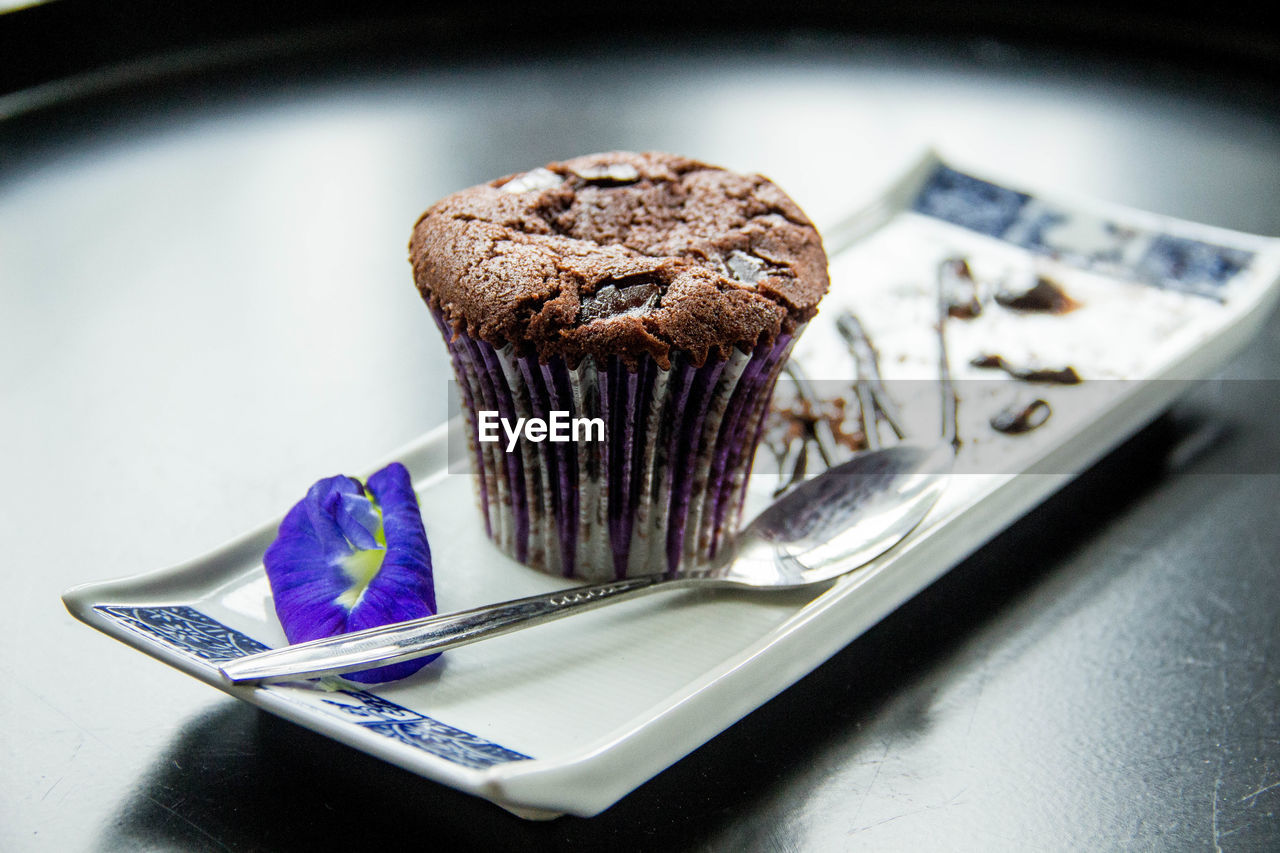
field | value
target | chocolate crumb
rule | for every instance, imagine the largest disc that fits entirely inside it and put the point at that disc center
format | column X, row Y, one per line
column 790, row 429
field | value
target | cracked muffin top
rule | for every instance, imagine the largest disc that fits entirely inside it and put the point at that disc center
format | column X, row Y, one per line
column 621, row 254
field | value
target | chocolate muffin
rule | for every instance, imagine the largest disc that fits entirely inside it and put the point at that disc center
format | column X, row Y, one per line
column 656, row 293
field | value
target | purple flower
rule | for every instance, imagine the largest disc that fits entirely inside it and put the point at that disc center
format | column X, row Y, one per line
column 350, row 556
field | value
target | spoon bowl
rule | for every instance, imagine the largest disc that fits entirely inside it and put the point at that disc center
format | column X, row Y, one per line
column 840, row 520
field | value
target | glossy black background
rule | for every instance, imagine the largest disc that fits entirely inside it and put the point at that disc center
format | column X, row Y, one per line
column 1101, row 676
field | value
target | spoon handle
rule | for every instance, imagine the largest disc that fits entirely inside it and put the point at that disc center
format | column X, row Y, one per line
column 403, row 641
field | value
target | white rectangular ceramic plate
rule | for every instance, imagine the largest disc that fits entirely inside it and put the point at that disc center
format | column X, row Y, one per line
column 571, row 716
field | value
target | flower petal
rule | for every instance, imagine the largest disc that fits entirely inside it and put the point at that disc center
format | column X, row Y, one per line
column 359, row 520
column 348, row 558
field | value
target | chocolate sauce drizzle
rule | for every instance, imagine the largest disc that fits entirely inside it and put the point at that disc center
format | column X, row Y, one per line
column 958, row 290
column 1043, row 375
column 1019, row 418
column 1045, row 297
column 875, row 406
column 948, row 271
column 819, row 423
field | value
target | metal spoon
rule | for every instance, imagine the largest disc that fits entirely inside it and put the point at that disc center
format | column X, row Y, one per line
column 824, row 528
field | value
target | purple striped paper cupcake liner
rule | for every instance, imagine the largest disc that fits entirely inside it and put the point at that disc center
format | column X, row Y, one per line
column 662, row 492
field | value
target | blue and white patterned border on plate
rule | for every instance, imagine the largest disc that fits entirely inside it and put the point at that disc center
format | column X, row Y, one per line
column 194, row 634
column 1078, row 238
column 186, row 630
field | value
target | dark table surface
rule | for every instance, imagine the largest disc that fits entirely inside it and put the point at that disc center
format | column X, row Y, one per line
column 182, row 240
